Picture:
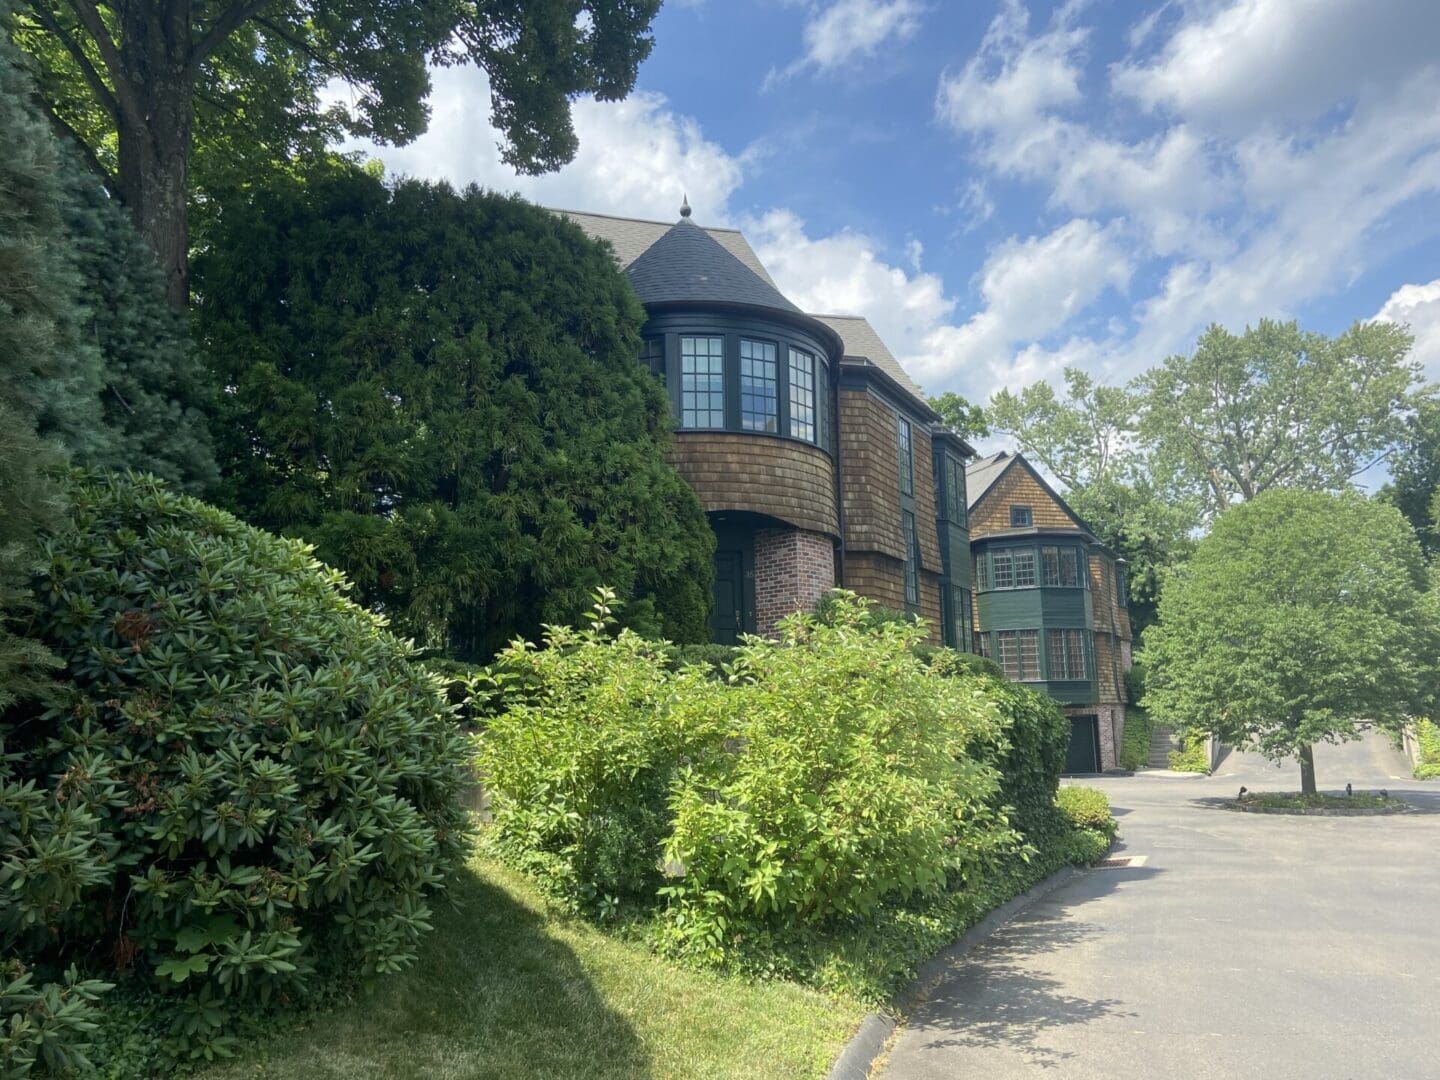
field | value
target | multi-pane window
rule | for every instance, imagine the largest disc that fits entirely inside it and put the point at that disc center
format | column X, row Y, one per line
column 959, row 612
column 982, row 643
column 907, row 458
column 1021, row 517
column 912, row 560
column 1002, row 569
column 982, row 573
column 652, row 355
column 702, row 382
column 1066, row 654
column 954, row 491
column 759, row 389
column 1018, row 654
column 1025, row 568
column 802, row 395
column 1060, row 566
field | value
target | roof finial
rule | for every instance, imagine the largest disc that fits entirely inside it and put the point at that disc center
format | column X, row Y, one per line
column 685, row 205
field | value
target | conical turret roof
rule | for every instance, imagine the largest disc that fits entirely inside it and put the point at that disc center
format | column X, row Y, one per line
column 689, row 265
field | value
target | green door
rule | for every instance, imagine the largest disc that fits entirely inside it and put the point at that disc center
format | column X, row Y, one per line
column 1083, row 754
column 728, row 619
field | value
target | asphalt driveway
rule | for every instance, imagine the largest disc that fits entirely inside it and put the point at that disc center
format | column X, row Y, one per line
column 1245, row 945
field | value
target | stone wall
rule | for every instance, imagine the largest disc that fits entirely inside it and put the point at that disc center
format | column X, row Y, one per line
column 793, row 569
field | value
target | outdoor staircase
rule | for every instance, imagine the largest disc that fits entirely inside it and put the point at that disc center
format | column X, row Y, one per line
column 1162, row 741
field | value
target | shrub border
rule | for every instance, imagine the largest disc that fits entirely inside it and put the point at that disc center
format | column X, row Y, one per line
column 1315, row 811
column 875, row 1030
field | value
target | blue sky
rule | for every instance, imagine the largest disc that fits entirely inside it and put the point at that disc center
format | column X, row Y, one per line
column 1004, row 188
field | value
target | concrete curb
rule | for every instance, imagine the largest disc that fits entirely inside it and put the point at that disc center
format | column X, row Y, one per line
column 856, row 1060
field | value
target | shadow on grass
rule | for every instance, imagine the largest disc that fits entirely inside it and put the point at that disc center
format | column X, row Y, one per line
column 1417, row 802
column 1000, row 996
column 491, row 995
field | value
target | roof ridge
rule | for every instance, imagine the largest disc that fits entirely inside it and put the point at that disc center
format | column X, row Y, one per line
column 639, row 220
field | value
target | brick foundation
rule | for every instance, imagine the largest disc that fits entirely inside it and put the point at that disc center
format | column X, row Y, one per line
column 1111, row 719
column 793, row 569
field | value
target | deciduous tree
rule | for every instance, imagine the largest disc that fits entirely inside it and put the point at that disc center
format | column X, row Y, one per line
column 441, row 390
column 1414, row 485
column 1299, row 617
column 142, row 81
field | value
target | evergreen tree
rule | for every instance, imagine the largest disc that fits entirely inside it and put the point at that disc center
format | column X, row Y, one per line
column 441, row 391
column 155, row 394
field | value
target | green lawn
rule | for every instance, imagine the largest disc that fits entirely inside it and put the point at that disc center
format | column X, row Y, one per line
column 504, row 988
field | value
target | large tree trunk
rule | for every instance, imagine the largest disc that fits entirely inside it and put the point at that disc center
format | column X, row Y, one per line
column 154, row 132
column 1307, row 770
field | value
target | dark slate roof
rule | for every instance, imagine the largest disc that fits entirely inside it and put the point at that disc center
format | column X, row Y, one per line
column 862, row 342
column 688, row 264
column 632, row 237
column 980, row 476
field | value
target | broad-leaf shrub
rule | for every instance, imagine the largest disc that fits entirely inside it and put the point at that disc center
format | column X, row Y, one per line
column 580, row 758
column 1030, row 754
column 849, row 776
column 1086, row 808
column 242, row 776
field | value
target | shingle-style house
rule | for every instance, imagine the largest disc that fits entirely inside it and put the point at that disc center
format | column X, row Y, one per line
column 1050, row 602
column 820, row 463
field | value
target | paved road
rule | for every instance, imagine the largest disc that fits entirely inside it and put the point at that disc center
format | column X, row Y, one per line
column 1247, row 945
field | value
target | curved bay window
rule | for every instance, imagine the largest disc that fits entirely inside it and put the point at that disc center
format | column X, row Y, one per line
column 747, row 375
column 1022, row 567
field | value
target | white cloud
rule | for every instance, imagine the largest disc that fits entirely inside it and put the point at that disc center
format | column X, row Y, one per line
column 1419, row 306
column 637, row 157
column 1254, row 61
column 845, row 31
column 1277, row 139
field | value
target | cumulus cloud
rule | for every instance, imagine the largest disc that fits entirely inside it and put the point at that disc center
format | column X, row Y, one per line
column 1419, row 307
column 846, row 31
column 637, row 157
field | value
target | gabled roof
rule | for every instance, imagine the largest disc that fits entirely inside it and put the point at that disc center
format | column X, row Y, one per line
column 981, row 476
column 863, row 343
column 632, row 237
column 688, row 264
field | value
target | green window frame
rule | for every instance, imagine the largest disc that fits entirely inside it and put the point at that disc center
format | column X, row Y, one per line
column 652, row 355
column 1002, row 569
column 955, row 491
column 982, row 571
column 802, row 395
column 912, row 559
column 1067, row 655
column 906, row 449
column 1018, row 654
column 1021, row 517
column 1025, row 568
column 702, row 382
column 759, row 386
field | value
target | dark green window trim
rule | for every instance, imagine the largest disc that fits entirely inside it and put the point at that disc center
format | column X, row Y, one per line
column 1068, row 656
column 1018, row 654
column 912, row 559
column 759, row 386
column 702, row 382
column 906, row 446
column 1023, row 567
column 1021, row 517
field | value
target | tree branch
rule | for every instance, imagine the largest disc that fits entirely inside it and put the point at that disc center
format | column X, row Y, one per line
column 229, row 20
column 90, row 18
column 69, row 134
column 93, row 78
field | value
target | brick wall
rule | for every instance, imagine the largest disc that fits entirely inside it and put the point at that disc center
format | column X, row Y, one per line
column 793, row 569
column 783, row 478
column 1112, row 730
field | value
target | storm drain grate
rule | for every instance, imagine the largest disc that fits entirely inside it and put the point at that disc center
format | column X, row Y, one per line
column 1120, row 861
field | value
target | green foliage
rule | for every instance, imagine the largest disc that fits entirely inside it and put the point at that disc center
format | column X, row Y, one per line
column 1414, row 486
column 848, row 777
column 956, row 413
column 155, row 391
column 1427, row 736
column 1030, row 756
column 243, row 778
column 1298, row 615
column 580, row 758
column 1086, row 808
column 440, row 391
column 946, row 661
column 714, row 658
column 48, row 1025
column 1135, row 743
column 1277, row 407
column 1295, row 800
column 1192, row 755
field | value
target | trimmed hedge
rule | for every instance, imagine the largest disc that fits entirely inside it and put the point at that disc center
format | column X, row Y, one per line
column 1191, row 757
column 1086, row 808
column 242, row 781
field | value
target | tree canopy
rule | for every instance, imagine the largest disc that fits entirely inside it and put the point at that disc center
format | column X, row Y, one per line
column 960, row 416
column 440, row 390
column 1277, row 406
column 245, row 81
column 1414, row 485
column 1298, row 616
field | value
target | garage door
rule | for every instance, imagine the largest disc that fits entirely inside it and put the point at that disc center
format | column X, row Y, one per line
column 1083, row 755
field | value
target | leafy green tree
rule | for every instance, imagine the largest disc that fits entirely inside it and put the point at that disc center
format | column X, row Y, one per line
column 1299, row 616
column 440, row 390
column 1414, row 485
column 958, row 414
column 1277, row 407
column 1088, row 440
column 141, row 84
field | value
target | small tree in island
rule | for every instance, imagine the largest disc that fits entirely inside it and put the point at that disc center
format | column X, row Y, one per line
column 1298, row 619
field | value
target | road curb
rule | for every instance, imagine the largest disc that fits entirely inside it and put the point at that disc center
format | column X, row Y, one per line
column 856, row 1060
